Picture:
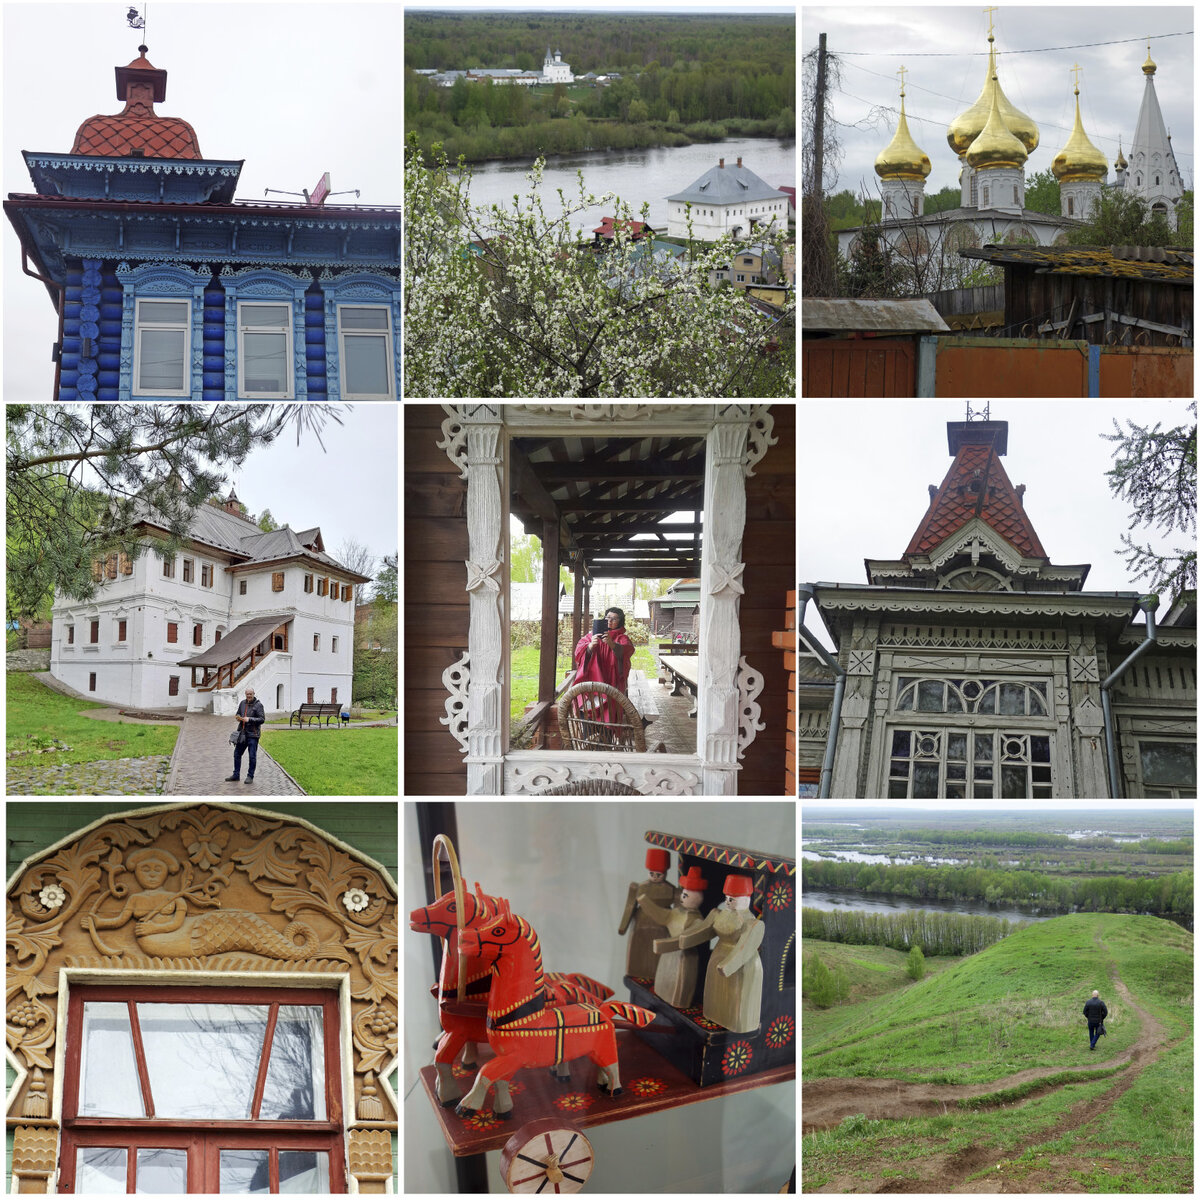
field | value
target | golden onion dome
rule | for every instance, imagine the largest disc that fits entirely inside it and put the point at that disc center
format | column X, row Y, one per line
column 1121, row 162
column 1149, row 66
column 903, row 158
column 967, row 126
column 996, row 145
column 1078, row 159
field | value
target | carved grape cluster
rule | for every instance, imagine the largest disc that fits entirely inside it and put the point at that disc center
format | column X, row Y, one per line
column 382, row 1022
column 25, row 1015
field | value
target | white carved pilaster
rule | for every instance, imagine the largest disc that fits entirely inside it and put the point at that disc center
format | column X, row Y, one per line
column 718, row 706
column 485, row 585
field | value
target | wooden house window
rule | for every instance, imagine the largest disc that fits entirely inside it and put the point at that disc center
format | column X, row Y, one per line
column 70, row 635
column 197, row 635
column 277, row 581
column 188, row 565
column 94, row 635
column 169, row 567
column 126, row 564
column 366, row 356
column 264, row 337
column 206, row 575
column 334, row 646
column 322, row 587
column 172, row 631
column 308, row 583
column 162, row 340
column 316, row 641
column 177, row 1090
column 347, row 591
column 333, row 695
column 173, row 686
column 110, row 567
column 241, row 587
column 217, row 638
column 97, row 570
column 310, row 695
column 92, row 681
column 122, row 626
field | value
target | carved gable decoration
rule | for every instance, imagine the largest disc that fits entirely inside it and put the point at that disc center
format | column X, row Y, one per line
column 209, row 891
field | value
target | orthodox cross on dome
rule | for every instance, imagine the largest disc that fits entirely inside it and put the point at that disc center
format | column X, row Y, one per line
column 1076, row 68
column 902, row 71
column 989, row 12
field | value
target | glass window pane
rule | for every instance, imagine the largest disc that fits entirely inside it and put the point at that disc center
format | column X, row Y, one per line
column 304, row 1172
column 1168, row 763
column 274, row 316
column 956, row 745
column 161, row 1172
column 295, row 1089
column 925, row 781
column 108, row 1070
column 956, row 791
column 983, row 793
column 366, row 366
column 953, row 703
column 100, row 1169
column 164, row 312
column 203, row 1058
column 264, row 368
column 245, row 1172
column 987, row 703
column 901, row 740
column 929, row 695
column 1039, row 749
column 1012, row 699
column 897, row 789
column 983, row 748
column 364, row 318
column 1012, row 783
column 905, row 702
column 956, row 770
column 161, row 360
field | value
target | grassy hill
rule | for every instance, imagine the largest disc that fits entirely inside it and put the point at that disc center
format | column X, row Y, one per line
column 979, row 1077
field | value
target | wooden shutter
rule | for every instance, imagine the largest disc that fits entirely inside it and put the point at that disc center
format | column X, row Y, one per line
column 277, row 581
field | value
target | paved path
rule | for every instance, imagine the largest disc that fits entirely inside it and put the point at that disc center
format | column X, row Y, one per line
column 203, row 758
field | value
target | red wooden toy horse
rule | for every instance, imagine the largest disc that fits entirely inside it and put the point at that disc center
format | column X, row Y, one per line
column 522, row 1029
column 464, row 1023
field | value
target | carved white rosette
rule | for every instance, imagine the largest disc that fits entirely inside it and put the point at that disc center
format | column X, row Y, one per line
column 202, row 891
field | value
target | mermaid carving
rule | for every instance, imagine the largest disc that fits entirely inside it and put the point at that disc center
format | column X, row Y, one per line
column 164, row 927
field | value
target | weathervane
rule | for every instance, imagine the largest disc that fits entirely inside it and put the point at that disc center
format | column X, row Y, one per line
column 985, row 415
column 318, row 195
column 136, row 22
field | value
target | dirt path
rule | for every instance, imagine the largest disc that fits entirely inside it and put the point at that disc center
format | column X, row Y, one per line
column 827, row 1101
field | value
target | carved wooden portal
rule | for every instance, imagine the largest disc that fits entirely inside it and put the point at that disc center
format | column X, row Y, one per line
column 476, row 440
column 202, row 895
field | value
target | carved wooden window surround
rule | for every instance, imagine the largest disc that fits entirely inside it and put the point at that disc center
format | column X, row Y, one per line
column 476, row 439
column 201, row 1140
column 203, row 897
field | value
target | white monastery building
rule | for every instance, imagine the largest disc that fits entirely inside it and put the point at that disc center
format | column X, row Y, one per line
column 555, row 70
column 727, row 200
column 234, row 608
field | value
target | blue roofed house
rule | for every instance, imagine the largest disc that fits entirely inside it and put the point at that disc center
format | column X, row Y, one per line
column 166, row 287
column 727, row 200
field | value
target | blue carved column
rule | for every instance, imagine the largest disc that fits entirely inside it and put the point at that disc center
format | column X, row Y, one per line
column 89, row 330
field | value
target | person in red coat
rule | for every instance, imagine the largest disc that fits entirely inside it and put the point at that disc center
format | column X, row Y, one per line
column 604, row 658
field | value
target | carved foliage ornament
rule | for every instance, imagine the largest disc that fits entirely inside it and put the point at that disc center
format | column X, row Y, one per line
column 208, row 889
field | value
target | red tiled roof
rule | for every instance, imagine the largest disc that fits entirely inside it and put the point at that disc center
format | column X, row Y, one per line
column 955, row 502
column 138, row 129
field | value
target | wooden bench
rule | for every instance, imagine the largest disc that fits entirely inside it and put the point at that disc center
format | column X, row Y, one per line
column 314, row 712
column 684, row 673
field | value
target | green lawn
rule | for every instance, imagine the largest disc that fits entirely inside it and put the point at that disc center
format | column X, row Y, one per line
column 525, row 674
column 338, row 762
column 35, row 715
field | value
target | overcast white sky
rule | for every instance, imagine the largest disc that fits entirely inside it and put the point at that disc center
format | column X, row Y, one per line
column 864, row 469
column 945, row 51
column 294, row 89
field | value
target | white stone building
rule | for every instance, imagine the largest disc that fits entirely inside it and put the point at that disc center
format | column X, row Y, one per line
column 235, row 607
column 555, row 70
column 727, row 200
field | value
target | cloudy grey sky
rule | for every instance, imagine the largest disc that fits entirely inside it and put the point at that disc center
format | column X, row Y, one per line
column 945, row 51
column 865, row 467
column 294, row 89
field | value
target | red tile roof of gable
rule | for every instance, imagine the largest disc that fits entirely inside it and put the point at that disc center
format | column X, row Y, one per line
column 955, row 502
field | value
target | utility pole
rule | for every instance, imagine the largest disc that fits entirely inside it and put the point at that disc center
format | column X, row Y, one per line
column 819, row 122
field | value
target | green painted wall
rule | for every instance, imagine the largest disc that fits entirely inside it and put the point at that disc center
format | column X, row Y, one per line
column 369, row 826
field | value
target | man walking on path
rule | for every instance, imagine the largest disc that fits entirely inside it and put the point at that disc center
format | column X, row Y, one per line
column 1095, row 1010
column 251, row 715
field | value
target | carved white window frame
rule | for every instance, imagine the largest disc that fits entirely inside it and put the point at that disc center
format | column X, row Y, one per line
column 476, row 439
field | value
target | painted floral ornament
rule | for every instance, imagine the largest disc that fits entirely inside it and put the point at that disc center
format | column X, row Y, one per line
column 355, row 900
column 52, row 896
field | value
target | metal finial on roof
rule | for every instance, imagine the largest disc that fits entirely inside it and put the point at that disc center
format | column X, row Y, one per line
column 985, row 415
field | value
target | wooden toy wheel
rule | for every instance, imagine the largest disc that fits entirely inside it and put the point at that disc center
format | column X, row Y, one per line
column 544, row 1155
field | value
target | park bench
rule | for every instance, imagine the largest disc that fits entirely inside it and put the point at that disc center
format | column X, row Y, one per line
column 314, row 712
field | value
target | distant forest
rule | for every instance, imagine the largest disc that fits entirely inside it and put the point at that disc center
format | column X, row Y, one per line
column 683, row 79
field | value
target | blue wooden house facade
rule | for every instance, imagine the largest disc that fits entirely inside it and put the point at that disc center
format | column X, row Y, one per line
column 166, row 287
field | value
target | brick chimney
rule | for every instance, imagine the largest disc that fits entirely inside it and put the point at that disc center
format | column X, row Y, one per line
column 721, row 163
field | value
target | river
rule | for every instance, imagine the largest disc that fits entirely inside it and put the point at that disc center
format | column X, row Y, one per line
column 637, row 176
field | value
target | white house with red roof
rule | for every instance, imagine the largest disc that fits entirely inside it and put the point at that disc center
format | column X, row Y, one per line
column 234, row 607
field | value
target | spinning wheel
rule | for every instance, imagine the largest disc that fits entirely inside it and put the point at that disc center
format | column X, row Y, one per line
column 546, row 1154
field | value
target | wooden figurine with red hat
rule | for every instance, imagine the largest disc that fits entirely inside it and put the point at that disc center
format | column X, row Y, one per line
column 640, row 959
column 675, row 976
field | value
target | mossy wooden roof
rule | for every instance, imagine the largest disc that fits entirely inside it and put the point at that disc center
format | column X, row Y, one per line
column 1158, row 263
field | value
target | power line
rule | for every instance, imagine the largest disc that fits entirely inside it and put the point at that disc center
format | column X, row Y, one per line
column 983, row 53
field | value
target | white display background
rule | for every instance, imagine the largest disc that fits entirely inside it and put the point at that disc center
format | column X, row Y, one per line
column 566, row 865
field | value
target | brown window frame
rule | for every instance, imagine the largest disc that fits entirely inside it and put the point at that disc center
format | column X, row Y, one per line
column 126, row 564
column 347, row 591
column 91, row 681
column 323, row 587
column 206, row 575
column 169, row 567
column 173, row 631
column 241, row 587
column 205, row 1139
column 277, row 581
column 333, row 695
column 70, row 635
column 333, row 646
column 316, row 641
column 198, row 635
column 173, row 685
column 97, row 570
column 110, row 566
column 122, row 630
column 94, row 631
column 308, row 582
column 310, row 697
